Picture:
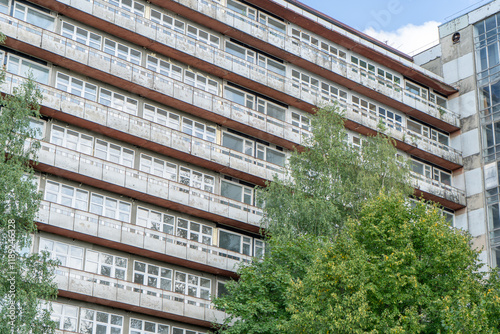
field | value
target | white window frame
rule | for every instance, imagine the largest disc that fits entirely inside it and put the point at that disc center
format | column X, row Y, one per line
column 203, row 36
column 301, row 121
column 248, row 99
column 246, row 192
column 139, row 326
column 79, row 202
column 114, row 153
column 246, row 144
column 69, row 255
column 196, row 179
column 165, row 68
column 265, row 107
column 201, row 81
column 76, row 86
column 81, row 35
column 194, row 231
column 162, row 116
column 28, row 13
column 110, row 207
column 155, row 220
column 122, row 51
column 65, row 316
column 159, row 167
column 146, row 274
column 263, row 151
column 245, row 242
column 177, row 330
column 136, row 7
column 192, row 285
column 167, row 21
column 199, row 130
column 21, row 66
column 91, row 320
column 71, row 139
column 106, row 264
column 118, row 101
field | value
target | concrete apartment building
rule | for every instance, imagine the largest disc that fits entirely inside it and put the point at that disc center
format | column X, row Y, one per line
column 161, row 117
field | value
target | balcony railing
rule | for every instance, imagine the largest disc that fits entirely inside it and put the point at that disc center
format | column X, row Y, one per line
column 135, row 180
column 145, row 129
column 133, row 235
column 439, row 189
column 102, row 61
column 314, row 55
column 180, row 41
column 190, row 94
column 120, row 291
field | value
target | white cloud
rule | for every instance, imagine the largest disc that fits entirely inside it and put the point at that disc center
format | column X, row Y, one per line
column 410, row 39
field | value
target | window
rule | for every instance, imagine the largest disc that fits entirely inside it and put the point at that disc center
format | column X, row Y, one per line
column 272, row 22
column 237, row 143
column 70, row 256
column 365, row 107
column 202, row 36
column 106, row 265
column 24, row 67
column 122, row 51
column 198, row 129
column 33, row 16
column 153, row 276
column 158, row 167
column 165, row 68
column 118, row 101
column 333, row 94
column 201, row 82
column 237, row 192
column 376, row 73
column 81, row 35
column 176, row 330
column 160, row 116
column 272, row 65
column 309, row 39
column 258, row 248
column 192, row 285
column 155, row 220
column 167, row 21
column 240, row 97
column 235, row 242
column 431, row 172
column 196, row 179
column 391, row 119
column 65, row 316
column 240, row 52
column 416, row 90
column 301, row 121
column 305, row 82
column 194, row 231
column 146, row 327
column 66, row 195
column 71, row 139
column 428, row 132
column 110, row 207
column 271, row 109
column 129, row 5
column 76, row 86
column 4, row 6
column 37, row 128
column 114, row 153
column 95, row 322
column 242, row 9
column 271, row 155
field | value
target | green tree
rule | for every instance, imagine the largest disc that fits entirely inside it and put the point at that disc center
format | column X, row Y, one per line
column 25, row 278
column 327, row 183
column 396, row 269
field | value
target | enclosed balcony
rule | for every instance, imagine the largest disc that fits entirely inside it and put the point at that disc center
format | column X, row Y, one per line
column 137, row 239
column 119, row 293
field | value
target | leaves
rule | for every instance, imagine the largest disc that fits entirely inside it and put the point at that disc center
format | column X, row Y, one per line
column 26, row 278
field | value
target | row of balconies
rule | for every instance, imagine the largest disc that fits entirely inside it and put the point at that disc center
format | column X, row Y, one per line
column 256, row 29
column 439, row 189
column 113, row 290
column 246, row 69
column 143, row 183
column 134, row 125
column 87, row 223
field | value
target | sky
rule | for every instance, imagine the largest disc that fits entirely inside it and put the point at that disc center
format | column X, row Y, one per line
column 408, row 25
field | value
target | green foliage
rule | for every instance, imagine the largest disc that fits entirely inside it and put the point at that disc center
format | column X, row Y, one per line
column 397, row 269
column 26, row 278
column 330, row 180
column 328, row 183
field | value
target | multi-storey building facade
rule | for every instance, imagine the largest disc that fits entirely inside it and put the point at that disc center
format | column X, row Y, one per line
column 467, row 57
column 159, row 120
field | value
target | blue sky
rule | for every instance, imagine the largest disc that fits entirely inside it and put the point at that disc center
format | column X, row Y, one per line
column 404, row 24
